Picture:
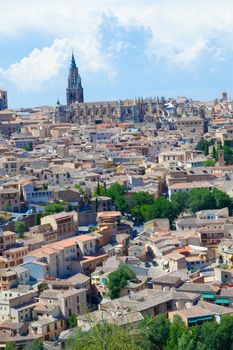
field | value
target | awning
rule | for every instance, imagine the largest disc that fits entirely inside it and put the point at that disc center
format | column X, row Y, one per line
column 208, row 295
column 200, row 319
column 222, row 301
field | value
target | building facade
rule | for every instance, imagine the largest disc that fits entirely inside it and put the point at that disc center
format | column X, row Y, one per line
column 3, row 100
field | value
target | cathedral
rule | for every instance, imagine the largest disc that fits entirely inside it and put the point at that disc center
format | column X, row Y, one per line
column 148, row 110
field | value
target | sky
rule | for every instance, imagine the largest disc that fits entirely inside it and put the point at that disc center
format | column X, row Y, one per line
column 124, row 49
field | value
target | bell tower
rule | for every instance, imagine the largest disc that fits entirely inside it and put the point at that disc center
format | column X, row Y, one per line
column 74, row 91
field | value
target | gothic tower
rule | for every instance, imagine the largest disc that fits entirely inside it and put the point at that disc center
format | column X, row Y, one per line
column 74, row 91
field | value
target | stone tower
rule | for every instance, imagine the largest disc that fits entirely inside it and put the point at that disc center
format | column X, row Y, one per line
column 221, row 157
column 74, row 91
column 3, row 99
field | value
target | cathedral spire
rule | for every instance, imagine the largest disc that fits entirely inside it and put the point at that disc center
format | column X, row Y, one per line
column 73, row 63
column 74, row 91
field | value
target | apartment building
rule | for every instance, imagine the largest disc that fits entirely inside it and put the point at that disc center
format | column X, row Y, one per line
column 64, row 224
column 36, row 192
column 9, row 199
column 7, row 240
column 70, row 301
column 13, row 257
column 11, row 166
column 17, row 305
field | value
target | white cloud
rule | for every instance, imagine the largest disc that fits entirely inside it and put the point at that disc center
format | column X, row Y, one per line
column 42, row 65
column 38, row 67
column 182, row 31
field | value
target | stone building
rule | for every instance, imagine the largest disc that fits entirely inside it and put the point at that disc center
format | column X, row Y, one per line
column 74, row 91
column 3, row 100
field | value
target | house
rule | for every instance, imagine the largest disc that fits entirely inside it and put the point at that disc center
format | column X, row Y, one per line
column 64, row 224
column 36, row 192
column 194, row 315
column 13, row 257
column 167, row 282
column 48, row 329
column 188, row 186
column 175, row 261
column 70, row 301
column 200, row 313
column 9, row 199
column 7, row 240
column 17, row 305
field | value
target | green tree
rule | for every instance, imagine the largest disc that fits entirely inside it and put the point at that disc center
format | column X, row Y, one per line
column 20, row 227
column 10, row 346
column 228, row 154
column 37, row 219
column 177, row 330
column 201, row 145
column 105, row 336
column 81, row 190
column 161, row 209
column 209, row 336
column 209, row 162
column 225, row 333
column 206, row 150
column 99, row 191
column 214, row 154
column 180, row 200
column 200, row 199
column 53, row 208
column 35, row 345
column 118, row 279
column 186, row 342
column 72, row 321
column 136, row 201
column 156, row 331
column 222, row 200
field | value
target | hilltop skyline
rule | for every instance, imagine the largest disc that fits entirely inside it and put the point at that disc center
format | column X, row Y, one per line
column 149, row 49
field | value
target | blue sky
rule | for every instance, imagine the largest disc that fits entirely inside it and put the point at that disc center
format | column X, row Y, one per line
column 123, row 48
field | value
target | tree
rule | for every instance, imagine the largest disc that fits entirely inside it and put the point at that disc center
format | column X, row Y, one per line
column 201, row 199
column 105, row 336
column 209, row 336
column 209, row 162
column 20, row 227
column 228, row 154
column 222, row 200
column 72, row 321
column 201, row 145
column 225, row 333
column 155, row 330
column 35, row 345
column 118, row 279
column 161, row 209
column 37, row 219
column 186, row 342
column 53, row 208
column 136, row 201
column 180, row 200
column 10, row 346
column 206, row 150
column 214, row 153
column 99, row 191
column 177, row 330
